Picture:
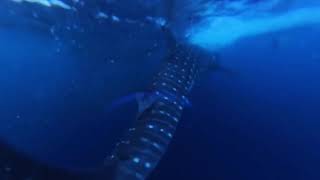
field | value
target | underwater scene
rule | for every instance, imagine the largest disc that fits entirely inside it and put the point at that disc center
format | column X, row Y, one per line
column 159, row 90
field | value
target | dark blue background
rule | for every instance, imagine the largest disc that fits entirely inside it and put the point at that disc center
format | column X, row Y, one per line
column 261, row 122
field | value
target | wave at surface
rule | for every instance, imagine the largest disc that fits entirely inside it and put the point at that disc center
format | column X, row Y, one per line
column 219, row 28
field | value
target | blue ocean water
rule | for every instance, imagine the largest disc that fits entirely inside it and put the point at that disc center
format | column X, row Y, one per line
column 64, row 63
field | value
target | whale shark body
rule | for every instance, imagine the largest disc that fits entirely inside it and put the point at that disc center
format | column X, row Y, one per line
column 146, row 142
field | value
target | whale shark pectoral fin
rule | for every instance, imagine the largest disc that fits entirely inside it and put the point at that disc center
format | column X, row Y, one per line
column 130, row 98
column 145, row 100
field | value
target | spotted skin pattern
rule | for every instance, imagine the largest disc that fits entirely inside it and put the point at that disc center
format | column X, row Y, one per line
column 141, row 150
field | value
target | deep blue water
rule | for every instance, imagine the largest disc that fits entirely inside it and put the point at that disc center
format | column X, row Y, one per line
column 60, row 71
column 260, row 125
